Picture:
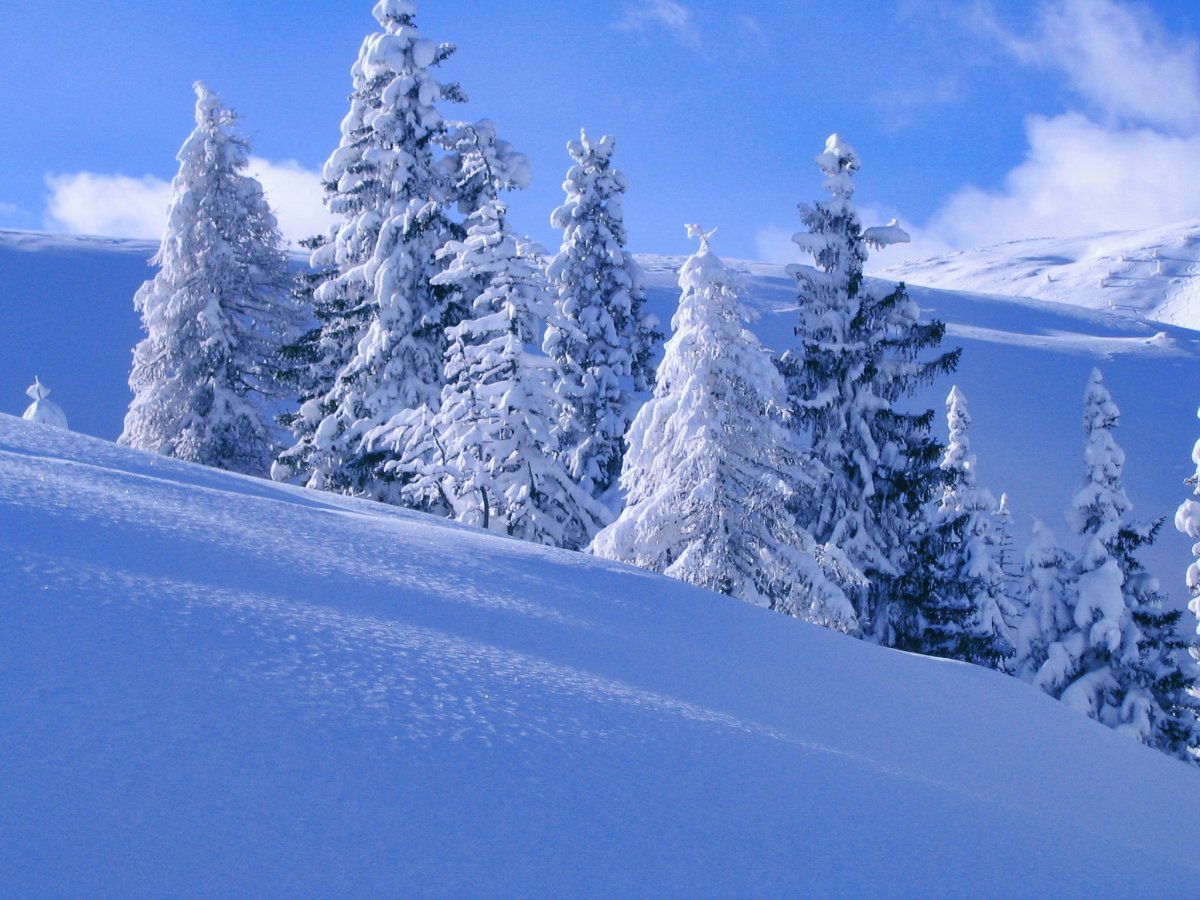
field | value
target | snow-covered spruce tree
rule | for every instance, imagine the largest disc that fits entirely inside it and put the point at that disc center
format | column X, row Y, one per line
column 382, row 320
column 964, row 614
column 1010, row 563
column 1187, row 521
column 600, row 336
column 710, row 473
column 1047, row 605
column 43, row 410
column 1122, row 662
column 477, row 169
column 487, row 454
column 859, row 357
column 216, row 314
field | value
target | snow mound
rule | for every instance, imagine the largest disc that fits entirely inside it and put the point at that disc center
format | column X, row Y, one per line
column 213, row 684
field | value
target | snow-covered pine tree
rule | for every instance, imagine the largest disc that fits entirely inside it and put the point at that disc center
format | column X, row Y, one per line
column 1048, row 605
column 963, row 613
column 487, row 454
column 382, row 320
column 479, row 167
column 43, row 410
column 710, row 472
column 1010, row 564
column 600, row 336
column 859, row 356
column 1122, row 662
column 1187, row 521
column 217, row 313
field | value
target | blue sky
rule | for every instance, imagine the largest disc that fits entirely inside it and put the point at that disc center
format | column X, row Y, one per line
column 976, row 122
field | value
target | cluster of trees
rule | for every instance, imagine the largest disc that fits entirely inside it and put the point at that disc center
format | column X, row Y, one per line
column 440, row 364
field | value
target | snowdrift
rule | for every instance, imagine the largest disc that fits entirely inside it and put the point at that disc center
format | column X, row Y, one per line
column 212, row 684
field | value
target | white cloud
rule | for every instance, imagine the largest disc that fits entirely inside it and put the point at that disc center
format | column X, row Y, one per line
column 121, row 206
column 1118, row 57
column 107, row 205
column 900, row 106
column 1132, row 160
column 1079, row 177
column 674, row 17
column 295, row 193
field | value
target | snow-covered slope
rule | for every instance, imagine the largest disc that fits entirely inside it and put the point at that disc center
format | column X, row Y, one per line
column 212, row 685
column 66, row 315
column 1153, row 274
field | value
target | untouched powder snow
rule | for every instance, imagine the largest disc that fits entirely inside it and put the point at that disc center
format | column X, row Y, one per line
column 211, row 684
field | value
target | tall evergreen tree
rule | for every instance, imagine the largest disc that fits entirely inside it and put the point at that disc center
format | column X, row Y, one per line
column 964, row 614
column 1121, row 663
column 1187, row 520
column 487, row 454
column 217, row 313
column 382, row 320
column 1010, row 563
column 600, row 336
column 1048, row 608
column 859, row 357
column 710, row 473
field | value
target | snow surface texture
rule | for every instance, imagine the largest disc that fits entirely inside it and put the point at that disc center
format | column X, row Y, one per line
column 1153, row 274
column 213, row 684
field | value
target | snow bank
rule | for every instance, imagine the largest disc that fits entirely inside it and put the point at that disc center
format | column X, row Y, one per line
column 218, row 685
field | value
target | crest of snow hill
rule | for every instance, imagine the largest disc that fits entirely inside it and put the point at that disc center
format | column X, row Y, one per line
column 441, row 365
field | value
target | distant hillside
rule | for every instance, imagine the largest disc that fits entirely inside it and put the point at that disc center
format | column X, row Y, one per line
column 1154, row 274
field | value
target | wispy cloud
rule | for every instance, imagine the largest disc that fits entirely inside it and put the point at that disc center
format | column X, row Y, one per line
column 1127, row 157
column 753, row 32
column 1118, row 57
column 900, row 106
column 107, row 205
column 113, row 205
column 649, row 15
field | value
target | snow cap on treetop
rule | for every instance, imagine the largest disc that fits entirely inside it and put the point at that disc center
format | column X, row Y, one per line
column 697, row 231
column 398, row 11
column 838, row 156
column 37, row 390
column 602, row 148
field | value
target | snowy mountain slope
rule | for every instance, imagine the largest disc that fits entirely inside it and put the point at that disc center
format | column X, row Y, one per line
column 66, row 314
column 1154, row 274
column 211, row 685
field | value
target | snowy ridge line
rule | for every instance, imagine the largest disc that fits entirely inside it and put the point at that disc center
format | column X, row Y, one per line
column 1160, row 344
column 36, row 241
